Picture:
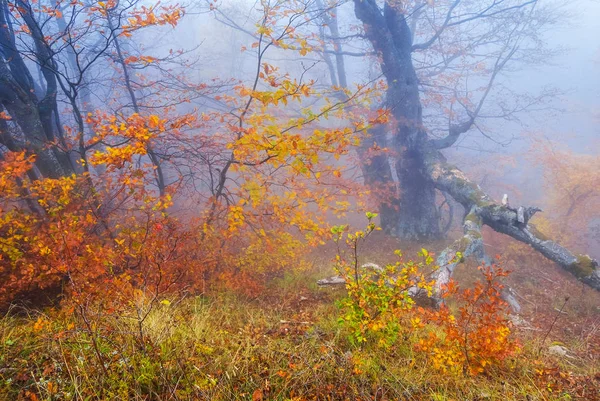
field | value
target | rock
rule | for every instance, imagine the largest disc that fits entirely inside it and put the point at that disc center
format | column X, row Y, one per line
column 373, row 267
column 339, row 280
column 335, row 280
column 518, row 321
column 558, row 350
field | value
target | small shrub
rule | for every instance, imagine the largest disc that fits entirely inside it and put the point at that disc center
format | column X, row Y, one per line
column 379, row 307
column 379, row 300
column 479, row 335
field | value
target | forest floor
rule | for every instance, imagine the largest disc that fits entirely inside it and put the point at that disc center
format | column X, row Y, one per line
column 287, row 344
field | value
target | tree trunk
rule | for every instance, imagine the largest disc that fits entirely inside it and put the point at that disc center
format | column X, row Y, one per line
column 419, row 217
column 377, row 176
column 21, row 107
column 389, row 33
column 35, row 118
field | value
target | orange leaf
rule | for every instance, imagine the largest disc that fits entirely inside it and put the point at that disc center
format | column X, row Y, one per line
column 257, row 395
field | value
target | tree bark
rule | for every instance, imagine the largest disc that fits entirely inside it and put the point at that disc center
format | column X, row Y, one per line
column 389, row 33
column 23, row 109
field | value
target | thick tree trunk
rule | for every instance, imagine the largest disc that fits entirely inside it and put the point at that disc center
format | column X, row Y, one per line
column 21, row 107
column 419, row 217
column 390, row 35
column 36, row 118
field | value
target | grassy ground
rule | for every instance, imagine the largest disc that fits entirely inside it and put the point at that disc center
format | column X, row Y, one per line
column 283, row 345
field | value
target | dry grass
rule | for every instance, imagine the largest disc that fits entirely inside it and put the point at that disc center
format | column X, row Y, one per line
column 283, row 345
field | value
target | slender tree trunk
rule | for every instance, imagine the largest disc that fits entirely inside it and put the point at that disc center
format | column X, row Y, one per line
column 154, row 158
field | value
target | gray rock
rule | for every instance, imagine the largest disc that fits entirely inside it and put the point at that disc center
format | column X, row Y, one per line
column 558, row 350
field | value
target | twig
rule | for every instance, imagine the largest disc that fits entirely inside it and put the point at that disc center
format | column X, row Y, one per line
column 292, row 322
column 560, row 311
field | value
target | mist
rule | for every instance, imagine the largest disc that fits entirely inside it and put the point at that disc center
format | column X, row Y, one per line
column 299, row 199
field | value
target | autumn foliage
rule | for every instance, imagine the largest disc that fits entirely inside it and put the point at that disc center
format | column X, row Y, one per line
column 154, row 205
column 479, row 334
column 176, row 201
column 468, row 333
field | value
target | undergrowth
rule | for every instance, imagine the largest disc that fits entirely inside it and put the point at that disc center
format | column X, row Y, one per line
column 294, row 341
column 279, row 346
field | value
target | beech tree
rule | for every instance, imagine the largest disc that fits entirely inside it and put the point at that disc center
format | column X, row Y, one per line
column 400, row 33
column 260, row 176
column 50, row 51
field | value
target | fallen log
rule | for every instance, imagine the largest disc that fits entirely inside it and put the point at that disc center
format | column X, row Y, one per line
column 482, row 210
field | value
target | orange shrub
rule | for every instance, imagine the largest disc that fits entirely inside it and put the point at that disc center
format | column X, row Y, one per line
column 476, row 337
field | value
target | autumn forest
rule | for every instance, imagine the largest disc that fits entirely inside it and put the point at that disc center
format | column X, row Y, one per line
column 299, row 200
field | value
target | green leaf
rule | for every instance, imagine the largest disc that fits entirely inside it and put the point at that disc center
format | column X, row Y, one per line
column 370, row 215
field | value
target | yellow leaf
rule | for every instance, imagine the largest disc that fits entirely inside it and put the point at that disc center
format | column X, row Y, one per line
column 154, row 121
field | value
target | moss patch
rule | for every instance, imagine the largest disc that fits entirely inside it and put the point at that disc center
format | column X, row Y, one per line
column 584, row 267
column 474, row 218
column 538, row 233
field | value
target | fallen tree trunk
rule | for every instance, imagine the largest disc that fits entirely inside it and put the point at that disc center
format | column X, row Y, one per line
column 501, row 218
column 482, row 210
